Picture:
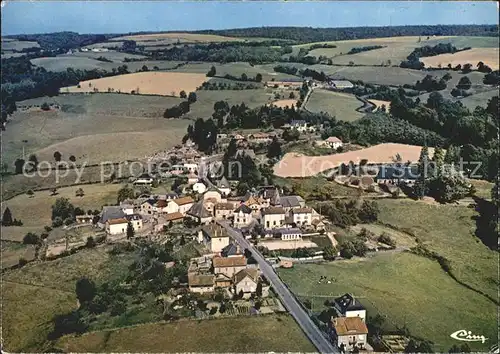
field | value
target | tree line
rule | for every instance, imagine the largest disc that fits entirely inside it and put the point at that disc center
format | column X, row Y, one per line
column 364, row 49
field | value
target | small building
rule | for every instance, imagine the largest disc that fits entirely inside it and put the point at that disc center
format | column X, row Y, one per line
column 246, row 281
column 395, row 175
column 223, row 186
column 184, row 204
column 341, row 84
column 201, row 283
column 199, row 187
column 229, row 266
column 334, row 142
column 223, row 210
column 108, row 213
column 128, row 208
column 286, row 264
column 291, row 234
column 135, row 220
column 199, row 213
column 190, row 167
column 290, row 202
column 213, row 193
column 214, row 237
column 347, row 306
column 273, row 217
column 301, row 126
column 286, row 84
column 231, row 250
column 116, row 226
column 165, row 220
column 350, row 332
column 242, row 216
column 301, row 216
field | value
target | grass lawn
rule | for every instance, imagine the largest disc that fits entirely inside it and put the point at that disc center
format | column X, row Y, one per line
column 240, row 334
column 483, row 188
column 404, row 288
column 36, row 211
column 449, row 231
column 340, row 105
column 13, row 251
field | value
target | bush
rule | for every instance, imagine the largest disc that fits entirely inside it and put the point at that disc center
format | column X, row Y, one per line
column 22, row 261
column 58, row 221
column 385, row 238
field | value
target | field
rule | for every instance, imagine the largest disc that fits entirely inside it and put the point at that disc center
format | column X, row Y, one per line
column 36, row 211
column 175, row 37
column 11, row 45
column 471, row 261
column 145, row 83
column 406, row 290
column 38, row 292
column 110, row 55
column 488, row 56
column 13, row 251
column 378, row 104
column 244, row 334
column 296, row 165
column 479, row 99
column 95, row 114
column 339, row 105
column 285, row 103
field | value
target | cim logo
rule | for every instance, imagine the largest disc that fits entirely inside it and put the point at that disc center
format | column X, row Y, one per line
column 467, row 336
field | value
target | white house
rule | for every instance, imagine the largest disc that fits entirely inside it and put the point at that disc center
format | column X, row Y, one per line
column 291, row 234
column 301, row 216
column 201, row 283
column 116, row 226
column 223, row 210
column 334, row 142
column 302, row 126
column 135, row 220
column 224, row 186
column 190, row 167
column 273, row 217
column 242, row 216
column 351, row 332
column 246, row 281
column 229, row 266
column 214, row 237
column 184, row 204
column 199, row 187
column 347, row 306
column 127, row 208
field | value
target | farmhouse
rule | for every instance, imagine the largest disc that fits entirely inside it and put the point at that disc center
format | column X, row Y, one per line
column 347, row 306
column 351, row 332
column 273, row 217
column 108, row 213
column 285, row 83
column 301, row 216
column 116, row 226
column 214, row 237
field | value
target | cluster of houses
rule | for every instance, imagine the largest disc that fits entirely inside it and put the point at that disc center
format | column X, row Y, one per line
column 225, row 267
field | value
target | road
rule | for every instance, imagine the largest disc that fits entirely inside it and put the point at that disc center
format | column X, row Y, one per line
column 299, row 314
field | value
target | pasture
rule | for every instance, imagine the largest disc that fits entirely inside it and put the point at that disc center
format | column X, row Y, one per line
column 36, row 211
column 143, row 83
column 340, row 105
column 405, row 289
column 298, row 165
column 285, row 103
column 277, row 333
column 88, row 115
column 479, row 99
column 489, row 56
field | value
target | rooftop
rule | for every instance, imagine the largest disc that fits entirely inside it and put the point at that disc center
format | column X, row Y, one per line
column 183, row 201
column 214, row 230
column 201, row 279
column 199, row 210
column 273, row 210
column 252, row 273
column 236, row 261
column 333, row 139
column 117, row 221
column 347, row 302
column 244, row 209
column 302, row 210
column 173, row 216
column 346, row 326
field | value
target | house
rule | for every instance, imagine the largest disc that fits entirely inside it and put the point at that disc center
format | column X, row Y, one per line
column 347, row 306
column 199, row 187
column 135, row 220
column 224, row 186
column 214, row 237
column 184, row 204
column 273, row 217
column 108, row 213
column 148, row 207
column 127, row 207
column 222, row 281
column 229, row 266
column 341, row 84
column 201, row 283
column 245, row 281
column 318, row 224
column 256, row 203
column 260, row 138
column 170, row 196
column 291, row 234
column 223, row 210
column 231, row 250
column 334, row 142
column 290, row 202
column 301, row 216
column 199, row 213
column 394, row 175
column 84, row 219
column 213, row 193
column 116, row 226
column 242, row 216
column 351, row 332
column 165, row 220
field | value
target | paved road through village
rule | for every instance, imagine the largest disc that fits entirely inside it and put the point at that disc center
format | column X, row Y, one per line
column 299, row 314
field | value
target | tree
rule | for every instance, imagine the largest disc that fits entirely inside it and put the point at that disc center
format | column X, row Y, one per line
column 45, row 106
column 241, row 294
column 144, row 68
column 53, row 191
column 19, row 166
column 244, row 77
column 467, row 68
column 464, row 83
column 274, row 149
column 125, row 193
column 7, row 217
column 58, row 221
column 258, row 291
column 258, row 78
column 463, row 348
column 369, row 211
column 420, row 187
column 79, row 192
column 192, row 97
column 72, row 158
column 130, row 231
column 57, row 156
column 211, row 72
column 347, row 249
column 291, row 135
column 30, row 193
column 63, row 209
column 31, row 239
column 242, row 188
column 182, row 94
column 90, row 242
column 329, row 253
column 438, row 158
column 291, row 95
column 85, row 290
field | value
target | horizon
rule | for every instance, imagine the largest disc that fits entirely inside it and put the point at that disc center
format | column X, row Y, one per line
column 19, row 18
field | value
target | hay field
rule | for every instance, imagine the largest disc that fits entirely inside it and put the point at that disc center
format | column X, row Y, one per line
column 297, row 165
column 340, row 105
column 285, row 103
column 145, row 83
column 38, row 130
column 174, row 37
column 488, row 56
column 36, row 211
column 278, row 333
column 406, row 290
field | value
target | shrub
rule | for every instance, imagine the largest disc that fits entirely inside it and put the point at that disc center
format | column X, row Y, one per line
column 385, row 238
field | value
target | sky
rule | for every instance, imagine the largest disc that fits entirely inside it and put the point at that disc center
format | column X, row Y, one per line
column 38, row 16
